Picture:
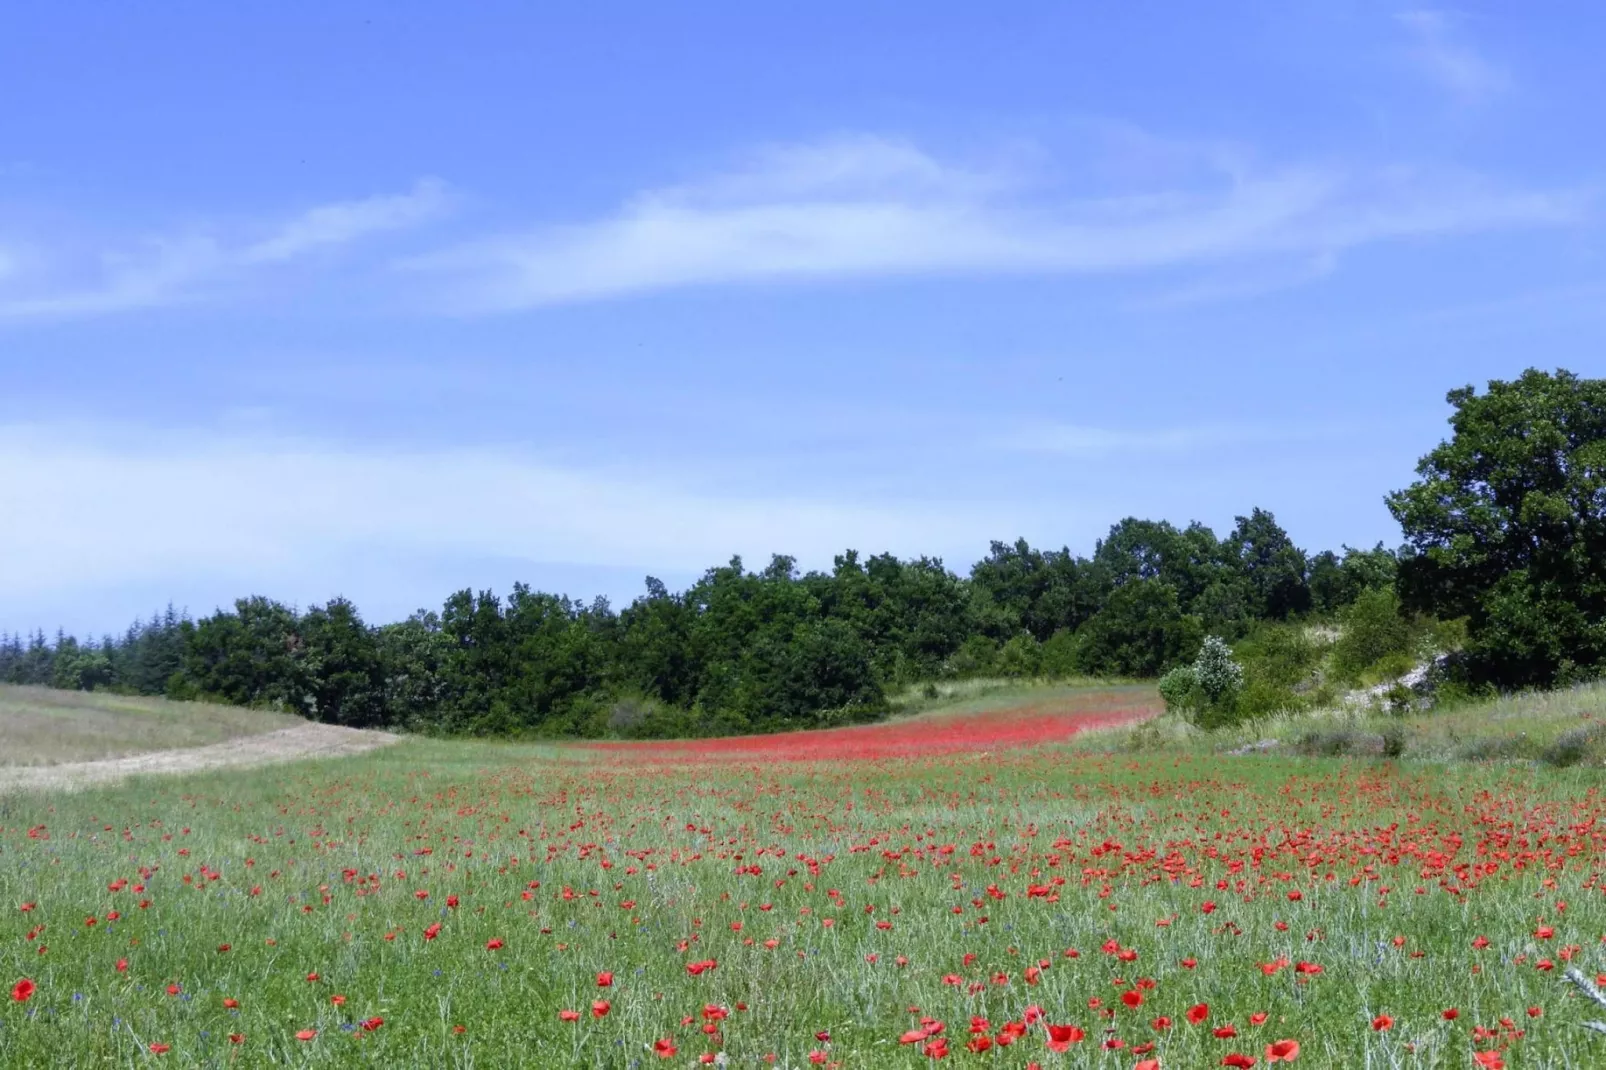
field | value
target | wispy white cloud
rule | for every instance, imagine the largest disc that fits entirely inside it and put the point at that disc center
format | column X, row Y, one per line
column 192, row 265
column 347, row 221
column 862, row 207
column 1442, row 53
column 1085, row 441
column 1240, row 285
column 98, row 509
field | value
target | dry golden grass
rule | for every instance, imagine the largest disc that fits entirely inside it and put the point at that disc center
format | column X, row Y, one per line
column 41, row 726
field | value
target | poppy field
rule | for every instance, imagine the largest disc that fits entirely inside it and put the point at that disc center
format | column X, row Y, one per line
column 965, row 891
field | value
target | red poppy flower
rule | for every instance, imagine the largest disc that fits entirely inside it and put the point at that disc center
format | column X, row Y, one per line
column 1132, row 998
column 493, row 944
column 665, row 1048
column 1382, row 1022
column 306, row 1034
column 1239, row 1060
column 158, row 1048
column 600, row 1008
column 605, row 979
column 22, row 991
column 1282, row 1051
column 1198, row 1013
column 569, row 1016
column 1061, row 1037
column 371, row 1024
column 1489, row 1060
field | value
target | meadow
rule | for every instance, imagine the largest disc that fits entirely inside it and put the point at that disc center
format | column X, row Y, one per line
column 1005, row 881
column 44, row 726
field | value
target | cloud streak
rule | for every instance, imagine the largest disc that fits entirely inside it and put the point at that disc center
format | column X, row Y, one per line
column 1445, row 57
column 1084, row 441
column 868, row 207
column 186, row 267
column 98, row 509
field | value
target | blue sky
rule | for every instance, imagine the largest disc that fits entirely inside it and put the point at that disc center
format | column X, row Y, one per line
column 389, row 300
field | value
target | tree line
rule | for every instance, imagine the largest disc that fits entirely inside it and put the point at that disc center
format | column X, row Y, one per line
column 740, row 649
column 1505, row 528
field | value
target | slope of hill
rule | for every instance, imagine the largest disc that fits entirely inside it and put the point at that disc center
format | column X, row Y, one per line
column 42, row 726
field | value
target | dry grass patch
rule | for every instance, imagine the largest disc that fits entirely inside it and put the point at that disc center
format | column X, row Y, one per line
column 41, row 726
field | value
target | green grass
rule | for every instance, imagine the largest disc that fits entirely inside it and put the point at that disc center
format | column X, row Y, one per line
column 1566, row 727
column 994, row 693
column 43, row 726
column 1177, row 855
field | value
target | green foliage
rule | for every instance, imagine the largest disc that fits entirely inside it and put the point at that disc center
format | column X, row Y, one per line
column 1220, row 677
column 1262, row 697
column 253, row 656
column 1505, row 527
column 1021, row 656
column 345, row 678
column 1373, row 630
column 1282, row 655
column 1180, row 689
column 1207, row 692
column 1141, row 631
column 1059, row 655
column 1271, row 564
column 976, row 656
column 1336, row 582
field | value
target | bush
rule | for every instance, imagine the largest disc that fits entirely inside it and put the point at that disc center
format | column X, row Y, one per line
column 1575, row 746
column 1207, row 691
column 1021, row 656
column 1263, row 698
column 1339, row 742
column 1282, row 654
column 1180, row 689
column 976, row 656
column 1388, row 667
column 1373, row 630
column 1220, row 678
column 1059, row 655
column 1393, row 741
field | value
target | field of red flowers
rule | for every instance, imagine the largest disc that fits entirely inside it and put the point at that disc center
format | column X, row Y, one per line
column 969, row 892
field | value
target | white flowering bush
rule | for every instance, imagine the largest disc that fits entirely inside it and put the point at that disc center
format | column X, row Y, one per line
column 1220, row 677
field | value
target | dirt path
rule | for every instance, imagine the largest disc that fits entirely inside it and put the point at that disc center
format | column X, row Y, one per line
column 287, row 744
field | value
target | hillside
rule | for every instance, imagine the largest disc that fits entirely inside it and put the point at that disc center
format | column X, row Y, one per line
column 44, row 726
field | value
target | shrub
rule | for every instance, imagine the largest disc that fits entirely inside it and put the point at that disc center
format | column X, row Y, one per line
column 1373, row 630
column 1337, row 742
column 1263, row 698
column 1393, row 741
column 1220, row 677
column 1021, row 656
column 1180, row 689
column 1059, row 654
column 1207, row 691
column 1390, row 667
column 1282, row 654
column 976, row 656
column 1575, row 745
